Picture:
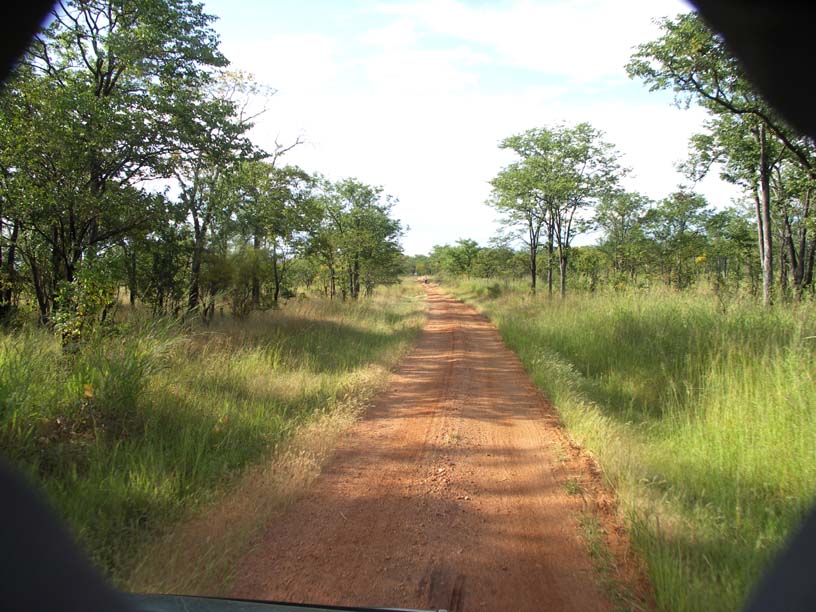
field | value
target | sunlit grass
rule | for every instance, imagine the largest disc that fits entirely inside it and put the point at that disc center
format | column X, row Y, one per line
column 155, row 418
column 703, row 416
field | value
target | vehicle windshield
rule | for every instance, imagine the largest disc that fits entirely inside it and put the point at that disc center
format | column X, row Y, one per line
column 419, row 305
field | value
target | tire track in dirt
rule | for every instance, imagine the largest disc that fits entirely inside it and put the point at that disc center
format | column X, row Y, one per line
column 444, row 496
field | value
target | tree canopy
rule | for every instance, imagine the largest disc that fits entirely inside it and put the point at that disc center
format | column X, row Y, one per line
column 561, row 172
column 125, row 160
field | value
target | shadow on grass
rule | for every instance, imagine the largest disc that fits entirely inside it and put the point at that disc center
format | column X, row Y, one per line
column 199, row 421
column 324, row 346
column 713, row 569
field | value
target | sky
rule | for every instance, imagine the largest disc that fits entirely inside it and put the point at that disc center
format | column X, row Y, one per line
column 415, row 95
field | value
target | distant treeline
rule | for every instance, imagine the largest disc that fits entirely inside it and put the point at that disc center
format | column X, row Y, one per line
column 677, row 242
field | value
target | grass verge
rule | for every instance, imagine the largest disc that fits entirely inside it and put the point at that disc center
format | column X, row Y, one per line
column 221, row 533
column 702, row 416
column 154, row 420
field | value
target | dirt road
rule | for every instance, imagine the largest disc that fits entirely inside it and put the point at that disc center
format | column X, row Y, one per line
column 445, row 495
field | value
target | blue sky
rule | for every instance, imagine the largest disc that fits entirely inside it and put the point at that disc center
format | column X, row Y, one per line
column 414, row 95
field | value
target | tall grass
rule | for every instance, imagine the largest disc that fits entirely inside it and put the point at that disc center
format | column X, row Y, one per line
column 702, row 414
column 154, row 418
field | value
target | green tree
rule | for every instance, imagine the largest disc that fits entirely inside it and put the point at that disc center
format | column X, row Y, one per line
column 619, row 215
column 358, row 236
column 677, row 225
column 500, row 260
column 744, row 131
column 204, row 170
column 276, row 209
column 97, row 108
column 521, row 195
column 588, row 263
column 562, row 172
column 730, row 250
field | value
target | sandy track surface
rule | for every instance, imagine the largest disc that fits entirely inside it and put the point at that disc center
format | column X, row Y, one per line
column 444, row 496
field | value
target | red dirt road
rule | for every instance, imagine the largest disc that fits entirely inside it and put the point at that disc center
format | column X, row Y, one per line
column 444, row 496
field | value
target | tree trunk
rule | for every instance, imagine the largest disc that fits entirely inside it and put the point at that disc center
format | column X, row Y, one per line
column 765, row 219
column 132, row 277
column 533, row 268
column 348, row 286
column 798, row 259
column 550, row 248
column 200, row 225
column 355, row 278
column 783, row 259
column 200, row 236
column 256, row 280
column 195, row 276
column 275, row 275
column 562, row 267
column 40, row 291
column 9, row 273
column 56, row 266
column 807, row 278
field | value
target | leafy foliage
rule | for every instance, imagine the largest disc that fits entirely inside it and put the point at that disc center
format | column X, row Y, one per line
column 124, row 139
column 561, row 172
column 755, row 148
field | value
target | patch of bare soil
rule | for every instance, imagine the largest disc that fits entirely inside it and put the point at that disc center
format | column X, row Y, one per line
column 450, row 493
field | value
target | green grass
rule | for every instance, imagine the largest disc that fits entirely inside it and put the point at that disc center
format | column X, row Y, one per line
column 154, row 419
column 702, row 415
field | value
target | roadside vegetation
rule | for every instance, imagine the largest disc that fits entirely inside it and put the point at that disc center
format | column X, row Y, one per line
column 154, row 417
column 703, row 420
column 678, row 348
column 175, row 300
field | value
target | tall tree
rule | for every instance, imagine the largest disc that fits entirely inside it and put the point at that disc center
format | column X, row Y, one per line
column 96, row 109
column 527, row 207
column 359, row 235
column 562, row 172
column 276, row 212
column 694, row 62
column 677, row 225
column 619, row 215
column 216, row 144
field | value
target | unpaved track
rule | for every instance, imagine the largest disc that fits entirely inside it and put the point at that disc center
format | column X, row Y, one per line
column 444, row 496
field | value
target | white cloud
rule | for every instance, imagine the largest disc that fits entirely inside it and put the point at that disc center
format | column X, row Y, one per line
column 557, row 38
column 303, row 63
column 413, row 72
column 400, row 33
column 394, row 110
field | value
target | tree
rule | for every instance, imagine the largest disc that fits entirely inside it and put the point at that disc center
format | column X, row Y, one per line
column 731, row 248
column 459, row 259
column 527, row 208
column 216, row 145
column 620, row 215
column 744, row 131
column 562, row 171
column 96, row 109
column 677, row 225
column 275, row 212
column 358, row 236
column 588, row 262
